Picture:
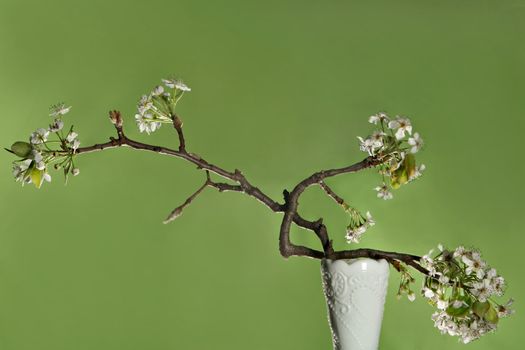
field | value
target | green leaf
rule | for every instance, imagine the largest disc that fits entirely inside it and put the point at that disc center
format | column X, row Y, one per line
column 460, row 311
column 21, row 149
column 37, row 177
column 480, row 308
column 399, row 177
column 491, row 315
column 410, row 165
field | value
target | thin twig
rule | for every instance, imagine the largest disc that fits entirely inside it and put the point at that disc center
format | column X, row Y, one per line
column 177, row 124
column 175, row 213
column 331, row 193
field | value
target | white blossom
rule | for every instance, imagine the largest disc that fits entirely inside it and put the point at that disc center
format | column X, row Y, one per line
column 383, row 192
column 369, row 219
column 366, row 145
column 442, row 321
column 59, row 110
column 418, row 172
column 465, row 280
column 378, row 118
column 145, row 104
column 460, row 252
column 72, row 140
column 442, row 304
column 36, row 156
column 371, row 144
column 428, row 262
column 38, row 159
column 443, row 279
column 19, row 171
column 57, row 125
column 147, row 123
column 416, row 142
column 71, row 136
column 498, row 285
column 39, row 136
column 428, row 293
column 47, row 177
column 474, row 264
column 353, row 234
column 158, row 90
column 482, row 290
column 458, row 304
column 505, row 310
column 491, row 273
column 402, row 125
column 176, row 84
column 377, row 137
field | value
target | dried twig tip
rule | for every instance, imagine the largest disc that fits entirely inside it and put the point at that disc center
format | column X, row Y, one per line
column 173, row 215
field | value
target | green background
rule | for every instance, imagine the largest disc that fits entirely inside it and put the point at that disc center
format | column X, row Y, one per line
column 280, row 89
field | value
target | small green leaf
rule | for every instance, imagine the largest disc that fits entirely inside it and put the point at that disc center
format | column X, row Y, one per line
column 458, row 312
column 480, row 308
column 399, row 177
column 37, row 177
column 491, row 315
column 21, row 149
column 394, row 183
column 410, row 165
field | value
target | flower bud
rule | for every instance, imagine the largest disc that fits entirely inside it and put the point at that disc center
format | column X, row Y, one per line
column 115, row 118
column 21, row 149
column 75, row 171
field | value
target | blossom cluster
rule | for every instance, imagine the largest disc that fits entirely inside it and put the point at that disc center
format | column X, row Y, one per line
column 396, row 144
column 359, row 223
column 158, row 107
column 462, row 286
column 405, row 283
column 39, row 153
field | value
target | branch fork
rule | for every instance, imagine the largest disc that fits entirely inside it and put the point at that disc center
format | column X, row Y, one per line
column 239, row 183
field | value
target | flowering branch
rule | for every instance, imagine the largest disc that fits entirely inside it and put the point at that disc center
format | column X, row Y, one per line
column 244, row 186
column 459, row 283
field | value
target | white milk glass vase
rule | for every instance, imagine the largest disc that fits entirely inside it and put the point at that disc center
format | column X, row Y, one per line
column 355, row 293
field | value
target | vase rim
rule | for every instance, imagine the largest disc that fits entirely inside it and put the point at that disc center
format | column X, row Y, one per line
column 359, row 264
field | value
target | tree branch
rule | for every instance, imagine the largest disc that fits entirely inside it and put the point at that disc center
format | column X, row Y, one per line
column 286, row 247
column 291, row 200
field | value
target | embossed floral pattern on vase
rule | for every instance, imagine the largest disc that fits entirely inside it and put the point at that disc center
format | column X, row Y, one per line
column 355, row 294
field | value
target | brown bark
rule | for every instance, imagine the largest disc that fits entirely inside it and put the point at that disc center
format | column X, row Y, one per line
column 289, row 207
